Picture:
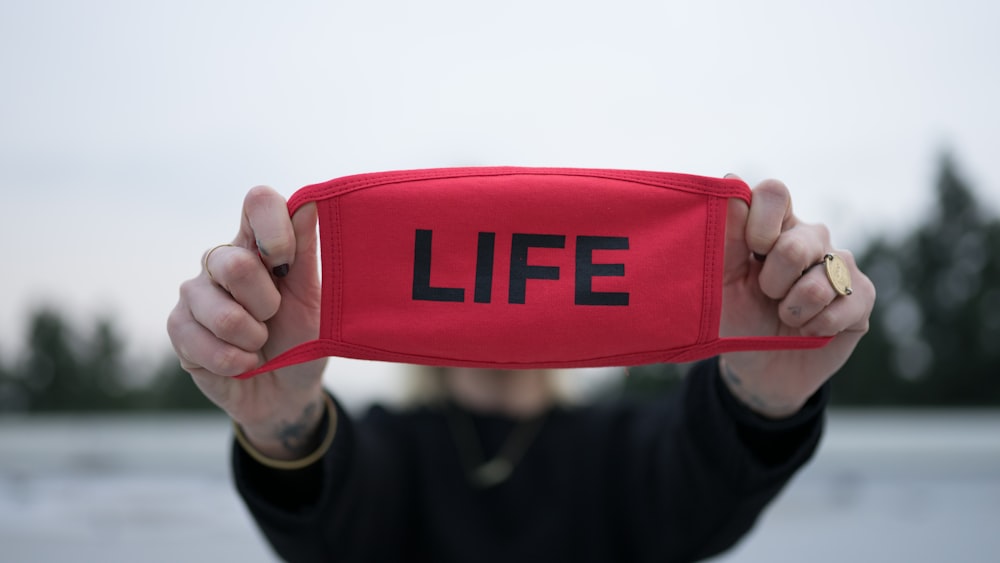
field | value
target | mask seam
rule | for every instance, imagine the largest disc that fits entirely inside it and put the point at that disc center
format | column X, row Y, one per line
column 708, row 273
column 339, row 283
column 702, row 185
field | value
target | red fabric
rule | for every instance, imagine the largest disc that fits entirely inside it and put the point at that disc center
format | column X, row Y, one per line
column 610, row 268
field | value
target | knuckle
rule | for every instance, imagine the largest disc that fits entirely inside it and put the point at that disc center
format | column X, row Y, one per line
column 258, row 338
column 267, row 312
column 229, row 361
column 773, row 289
column 774, row 187
column 822, row 232
column 760, row 242
column 240, row 267
column 823, row 324
column 229, row 322
column 870, row 289
column 794, row 249
column 815, row 289
column 270, row 305
column 258, row 195
column 175, row 320
column 187, row 289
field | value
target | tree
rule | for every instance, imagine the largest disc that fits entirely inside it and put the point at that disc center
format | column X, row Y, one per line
column 935, row 333
column 173, row 389
column 103, row 369
column 12, row 395
column 50, row 368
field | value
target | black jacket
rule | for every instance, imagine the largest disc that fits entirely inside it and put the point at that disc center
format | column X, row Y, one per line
column 677, row 479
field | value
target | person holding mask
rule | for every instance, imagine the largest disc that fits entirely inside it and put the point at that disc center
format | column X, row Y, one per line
column 499, row 470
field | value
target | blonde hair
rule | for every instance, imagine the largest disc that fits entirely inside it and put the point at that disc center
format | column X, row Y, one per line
column 425, row 386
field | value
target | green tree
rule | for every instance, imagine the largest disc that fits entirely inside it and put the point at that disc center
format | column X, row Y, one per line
column 173, row 389
column 60, row 371
column 935, row 334
column 51, row 366
column 12, row 396
column 103, row 369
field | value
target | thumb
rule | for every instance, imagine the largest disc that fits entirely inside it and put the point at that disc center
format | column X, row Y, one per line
column 304, row 267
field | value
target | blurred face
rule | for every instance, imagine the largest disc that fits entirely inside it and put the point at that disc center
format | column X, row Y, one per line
column 517, row 393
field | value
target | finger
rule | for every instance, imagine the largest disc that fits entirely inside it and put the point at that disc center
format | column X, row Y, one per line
column 850, row 313
column 241, row 273
column 808, row 297
column 794, row 252
column 266, row 227
column 770, row 215
column 229, row 321
column 199, row 349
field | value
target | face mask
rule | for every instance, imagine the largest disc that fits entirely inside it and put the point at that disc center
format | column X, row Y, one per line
column 523, row 268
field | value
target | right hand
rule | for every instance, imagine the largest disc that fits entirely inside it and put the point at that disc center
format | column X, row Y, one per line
column 247, row 312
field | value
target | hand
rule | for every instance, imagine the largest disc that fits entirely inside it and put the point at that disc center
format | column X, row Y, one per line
column 785, row 294
column 261, row 298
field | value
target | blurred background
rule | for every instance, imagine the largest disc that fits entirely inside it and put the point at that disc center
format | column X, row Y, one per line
column 130, row 131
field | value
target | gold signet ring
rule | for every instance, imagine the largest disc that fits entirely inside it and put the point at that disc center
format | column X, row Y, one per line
column 838, row 274
column 204, row 262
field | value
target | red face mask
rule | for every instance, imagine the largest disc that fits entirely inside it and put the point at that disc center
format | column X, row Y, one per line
column 523, row 268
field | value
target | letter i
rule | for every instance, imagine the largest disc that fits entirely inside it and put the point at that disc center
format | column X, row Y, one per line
column 484, row 267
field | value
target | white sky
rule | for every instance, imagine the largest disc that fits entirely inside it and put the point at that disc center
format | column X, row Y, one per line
column 129, row 131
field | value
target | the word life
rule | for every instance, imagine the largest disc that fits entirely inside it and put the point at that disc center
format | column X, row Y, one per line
column 520, row 271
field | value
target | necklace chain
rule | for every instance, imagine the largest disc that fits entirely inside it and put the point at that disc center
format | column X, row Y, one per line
column 481, row 472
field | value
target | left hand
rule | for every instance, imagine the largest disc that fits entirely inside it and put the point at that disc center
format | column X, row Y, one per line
column 785, row 295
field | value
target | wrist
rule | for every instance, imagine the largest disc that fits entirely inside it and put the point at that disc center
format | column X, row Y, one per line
column 328, row 429
column 289, row 434
column 763, row 404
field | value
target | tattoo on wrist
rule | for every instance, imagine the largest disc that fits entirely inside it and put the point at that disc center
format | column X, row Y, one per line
column 298, row 435
column 752, row 400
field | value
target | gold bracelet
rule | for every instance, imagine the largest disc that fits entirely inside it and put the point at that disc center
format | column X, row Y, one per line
column 331, row 430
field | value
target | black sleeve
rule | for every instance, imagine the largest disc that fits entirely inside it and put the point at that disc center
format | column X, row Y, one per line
column 697, row 470
column 327, row 510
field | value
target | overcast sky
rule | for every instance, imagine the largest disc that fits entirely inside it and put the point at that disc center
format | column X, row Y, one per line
column 129, row 131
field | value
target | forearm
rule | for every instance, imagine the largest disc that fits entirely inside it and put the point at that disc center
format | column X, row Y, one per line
column 716, row 456
column 330, row 509
column 290, row 500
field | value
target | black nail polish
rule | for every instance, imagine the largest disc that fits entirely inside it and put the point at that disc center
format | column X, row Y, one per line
column 280, row 271
column 759, row 257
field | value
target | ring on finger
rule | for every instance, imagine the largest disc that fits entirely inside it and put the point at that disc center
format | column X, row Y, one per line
column 204, row 262
column 838, row 274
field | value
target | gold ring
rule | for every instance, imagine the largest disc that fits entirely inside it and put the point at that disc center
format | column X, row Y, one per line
column 838, row 274
column 204, row 262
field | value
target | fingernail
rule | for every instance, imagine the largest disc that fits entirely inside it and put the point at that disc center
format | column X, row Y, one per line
column 280, row 271
column 759, row 257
